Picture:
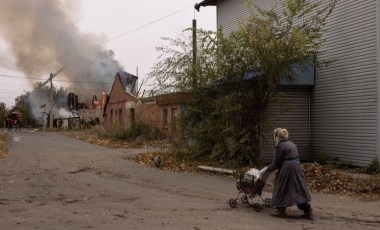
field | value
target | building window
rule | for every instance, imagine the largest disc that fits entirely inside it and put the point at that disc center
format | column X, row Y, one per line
column 165, row 118
column 174, row 124
column 120, row 116
column 132, row 117
column 111, row 117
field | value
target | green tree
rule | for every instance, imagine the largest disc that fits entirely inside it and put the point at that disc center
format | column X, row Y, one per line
column 3, row 110
column 225, row 116
column 29, row 104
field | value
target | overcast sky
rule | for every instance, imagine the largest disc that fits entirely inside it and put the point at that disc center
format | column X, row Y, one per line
column 132, row 30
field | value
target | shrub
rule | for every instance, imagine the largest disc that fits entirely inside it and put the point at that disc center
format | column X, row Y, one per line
column 372, row 168
column 139, row 130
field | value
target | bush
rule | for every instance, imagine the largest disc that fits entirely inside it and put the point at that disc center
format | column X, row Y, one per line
column 139, row 130
column 372, row 168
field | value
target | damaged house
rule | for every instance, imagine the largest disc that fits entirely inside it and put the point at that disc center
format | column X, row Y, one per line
column 338, row 115
column 123, row 107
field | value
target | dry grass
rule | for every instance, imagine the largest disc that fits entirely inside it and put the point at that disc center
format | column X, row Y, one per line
column 3, row 143
column 91, row 136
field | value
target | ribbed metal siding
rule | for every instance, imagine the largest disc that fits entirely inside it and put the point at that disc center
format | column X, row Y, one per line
column 295, row 120
column 230, row 11
column 344, row 107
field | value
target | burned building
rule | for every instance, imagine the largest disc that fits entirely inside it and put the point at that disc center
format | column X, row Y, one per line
column 72, row 101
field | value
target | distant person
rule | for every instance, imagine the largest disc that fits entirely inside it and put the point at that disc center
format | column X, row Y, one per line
column 290, row 186
column 18, row 125
column 60, row 123
column 9, row 124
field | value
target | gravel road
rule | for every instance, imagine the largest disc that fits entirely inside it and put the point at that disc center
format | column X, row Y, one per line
column 52, row 181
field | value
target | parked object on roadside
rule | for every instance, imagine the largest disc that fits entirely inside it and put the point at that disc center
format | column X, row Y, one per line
column 13, row 120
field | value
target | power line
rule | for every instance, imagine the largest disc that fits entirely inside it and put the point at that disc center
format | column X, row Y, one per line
column 120, row 35
column 9, row 93
column 13, row 76
column 42, row 79
column 143, row 26
column 105, row 41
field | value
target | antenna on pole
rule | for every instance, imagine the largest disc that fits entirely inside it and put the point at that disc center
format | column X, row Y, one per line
column 142, row 83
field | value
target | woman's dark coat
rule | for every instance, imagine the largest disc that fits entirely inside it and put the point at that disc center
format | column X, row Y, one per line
column 290, row 186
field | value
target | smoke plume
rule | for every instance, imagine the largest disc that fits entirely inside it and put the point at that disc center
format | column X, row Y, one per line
column 43, row 36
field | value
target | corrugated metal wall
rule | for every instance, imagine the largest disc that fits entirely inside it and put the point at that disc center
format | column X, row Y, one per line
column 294, row 116
column 344, row 107
column 229, row 11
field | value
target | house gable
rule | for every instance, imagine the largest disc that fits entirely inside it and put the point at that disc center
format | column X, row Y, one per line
column 118, row 105
column 118, row 92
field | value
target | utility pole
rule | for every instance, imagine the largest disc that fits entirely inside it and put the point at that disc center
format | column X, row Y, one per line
column 51, row 100
column 194, row 53
column 51, row 95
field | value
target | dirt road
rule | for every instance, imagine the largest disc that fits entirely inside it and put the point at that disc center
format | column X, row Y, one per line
column 51, row 181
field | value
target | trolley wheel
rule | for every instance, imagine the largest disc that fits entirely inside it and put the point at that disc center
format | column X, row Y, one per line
column 244, row 199
column 267, row 201
column 232, row 203
column 257, row 207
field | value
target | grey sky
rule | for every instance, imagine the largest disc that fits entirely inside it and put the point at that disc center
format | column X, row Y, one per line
column 132, row 29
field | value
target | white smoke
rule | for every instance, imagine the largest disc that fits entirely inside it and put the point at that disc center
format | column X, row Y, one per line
column 43, row 37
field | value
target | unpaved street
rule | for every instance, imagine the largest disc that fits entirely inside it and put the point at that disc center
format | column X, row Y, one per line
column 52, row 181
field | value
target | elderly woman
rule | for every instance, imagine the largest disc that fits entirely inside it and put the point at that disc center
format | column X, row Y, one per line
column 290, row 186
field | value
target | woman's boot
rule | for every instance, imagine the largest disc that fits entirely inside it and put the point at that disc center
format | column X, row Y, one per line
column 307, row 210
column 280, row 212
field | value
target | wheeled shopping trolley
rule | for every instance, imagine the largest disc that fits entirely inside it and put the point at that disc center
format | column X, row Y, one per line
column 249, row 187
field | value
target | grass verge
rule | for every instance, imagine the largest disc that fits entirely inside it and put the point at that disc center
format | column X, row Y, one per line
column 3, row 144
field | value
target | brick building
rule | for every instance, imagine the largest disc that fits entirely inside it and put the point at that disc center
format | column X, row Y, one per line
column 123, row 108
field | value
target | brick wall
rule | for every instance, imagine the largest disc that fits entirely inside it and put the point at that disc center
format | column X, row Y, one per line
column 162, row 112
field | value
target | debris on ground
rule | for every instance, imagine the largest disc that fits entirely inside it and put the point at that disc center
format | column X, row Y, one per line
column 167, row 162
column 324, row 179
